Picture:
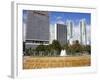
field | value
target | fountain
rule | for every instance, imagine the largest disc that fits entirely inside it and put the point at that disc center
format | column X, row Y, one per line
column 63, row 53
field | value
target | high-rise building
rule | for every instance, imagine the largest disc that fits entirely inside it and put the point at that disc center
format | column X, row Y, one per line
column 83, row 34
column 70, row 25
column 37, row 28
column 61, row 33
column 52, row 33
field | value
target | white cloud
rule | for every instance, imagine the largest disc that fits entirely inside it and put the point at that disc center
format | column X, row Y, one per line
column 59, row 17
column 59, row 20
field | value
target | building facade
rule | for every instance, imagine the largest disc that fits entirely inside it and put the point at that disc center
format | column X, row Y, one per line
column 83, row 33
column 70, row 27
column 61, row 33
column 37, row 28
column 52, row 33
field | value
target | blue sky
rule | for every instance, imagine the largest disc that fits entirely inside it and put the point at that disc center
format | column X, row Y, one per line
column 75, row 17
column 24, row 15
column 64, row 16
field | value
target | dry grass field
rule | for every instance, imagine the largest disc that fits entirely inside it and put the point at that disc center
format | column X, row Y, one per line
column 30, row 62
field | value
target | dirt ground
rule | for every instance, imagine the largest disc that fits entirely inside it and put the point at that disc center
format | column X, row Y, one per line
column 30, row 62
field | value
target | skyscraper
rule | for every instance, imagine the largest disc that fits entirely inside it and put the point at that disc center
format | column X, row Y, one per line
column 69, row 24
column 83, row 34
column 52, row 33
column 61, row 33
column 37, row 28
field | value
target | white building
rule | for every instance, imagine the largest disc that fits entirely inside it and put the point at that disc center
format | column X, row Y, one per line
column 70, row 25
column 72, row 33
column 83, row 32
column 52, row 33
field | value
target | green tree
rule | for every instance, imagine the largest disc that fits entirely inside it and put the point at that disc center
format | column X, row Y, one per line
column 40, row 50
column 28, row 52
column 87, row 48
column 75, row 48
column 56, row 47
